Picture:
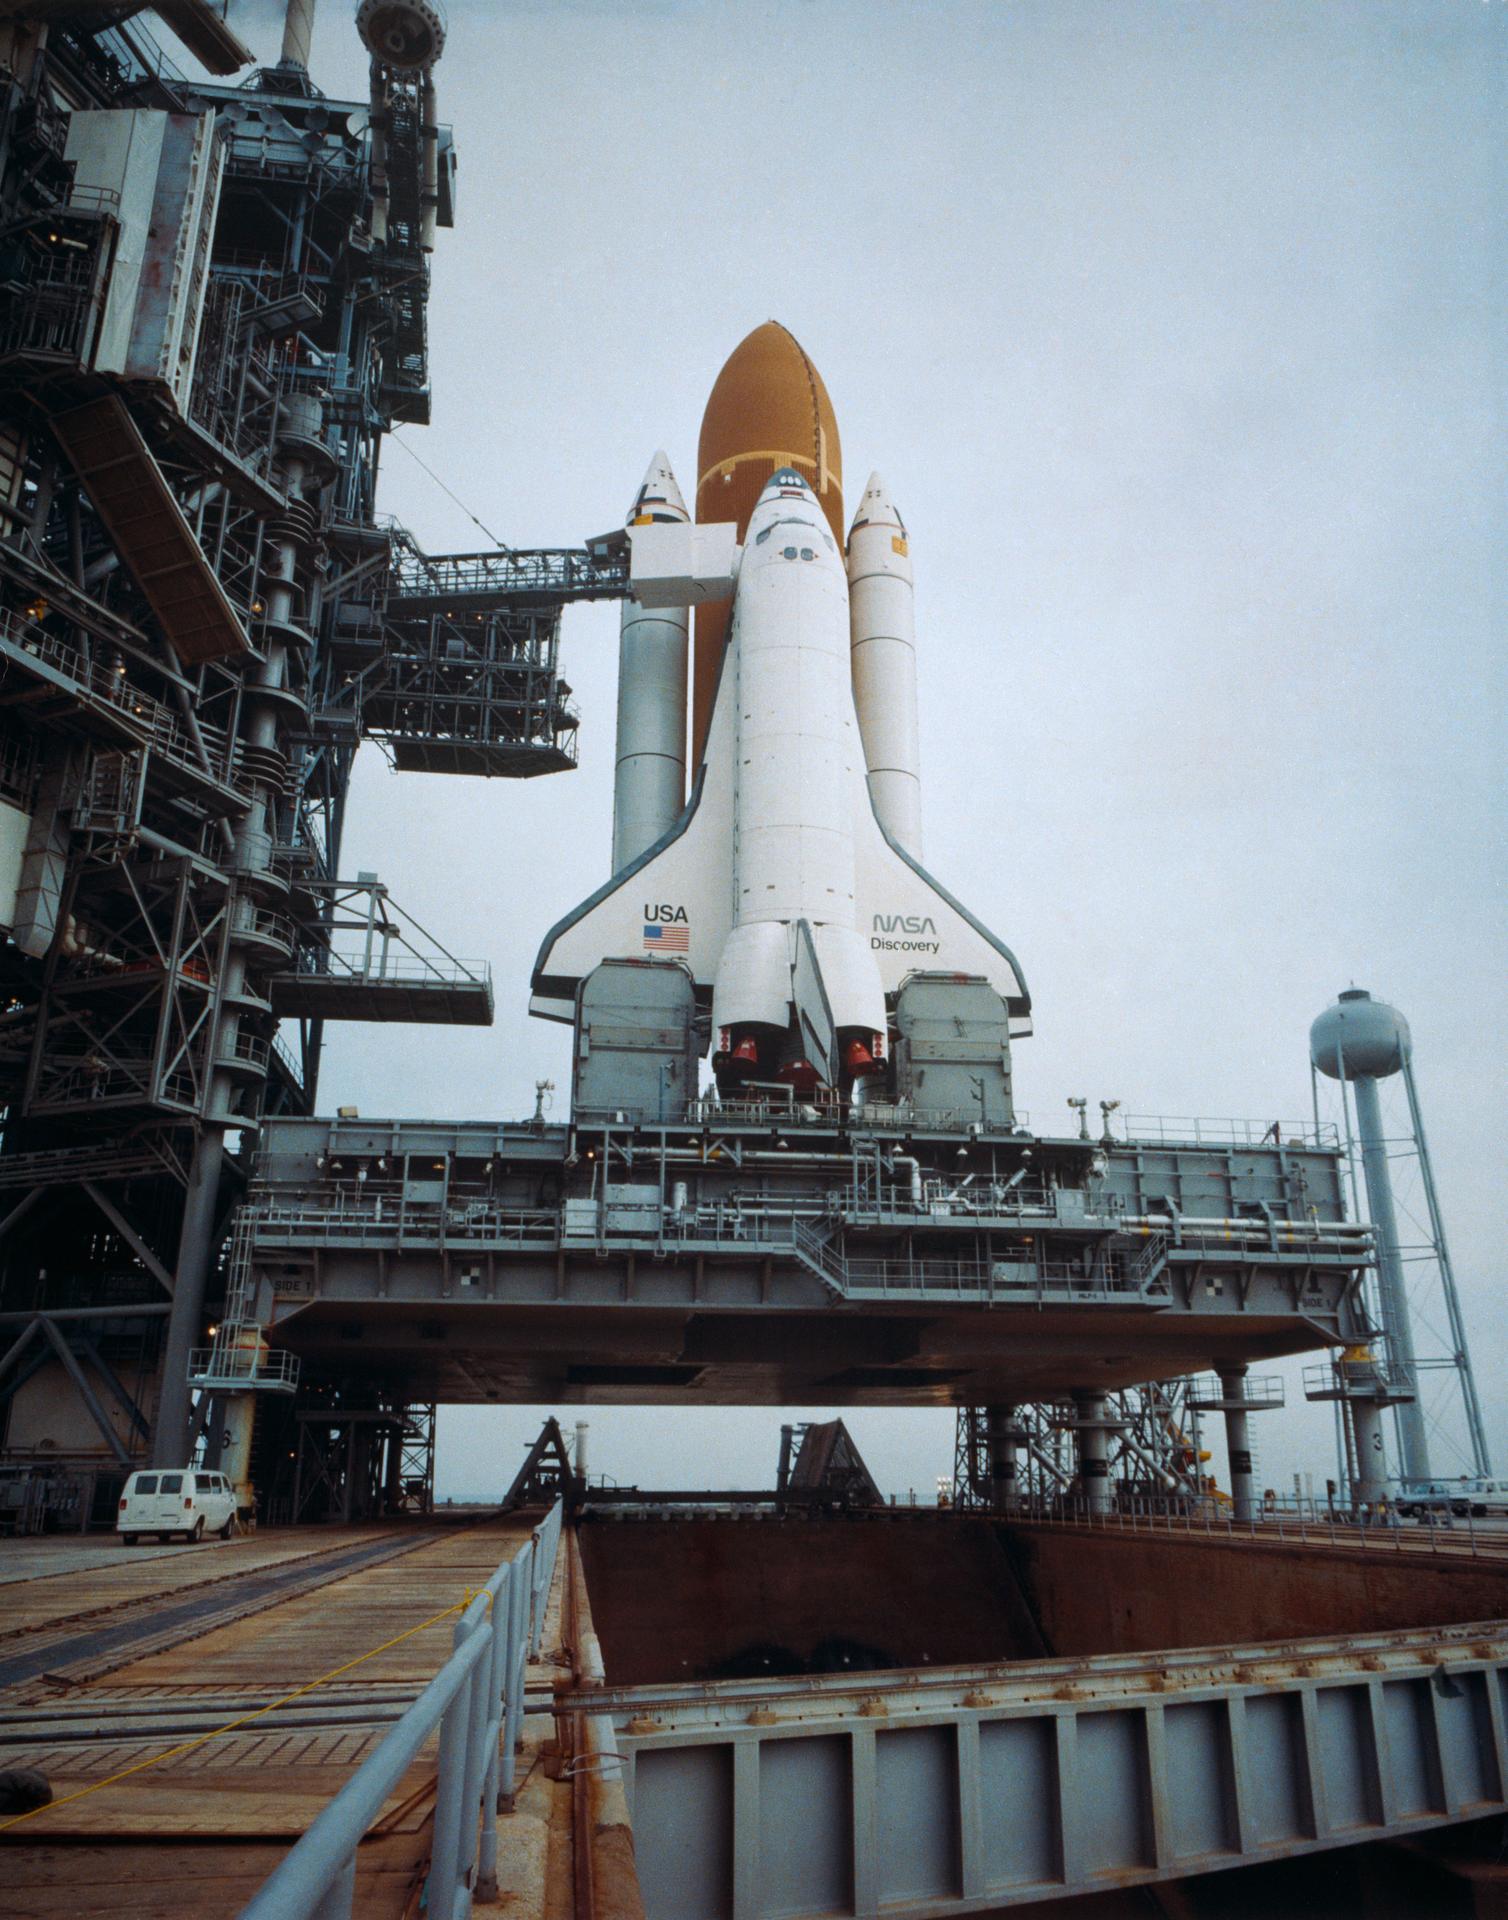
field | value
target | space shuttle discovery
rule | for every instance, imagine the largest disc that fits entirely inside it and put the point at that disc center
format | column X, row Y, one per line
column 789, row 883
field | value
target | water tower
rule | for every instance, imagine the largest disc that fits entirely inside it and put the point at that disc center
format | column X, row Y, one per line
column 1360, row 1042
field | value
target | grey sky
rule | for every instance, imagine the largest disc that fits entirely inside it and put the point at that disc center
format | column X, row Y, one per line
column 1176, row 330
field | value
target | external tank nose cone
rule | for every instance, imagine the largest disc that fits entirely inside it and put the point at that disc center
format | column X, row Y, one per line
column 768, row 408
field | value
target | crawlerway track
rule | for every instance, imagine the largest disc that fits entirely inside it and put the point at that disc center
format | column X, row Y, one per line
column 67, row 1650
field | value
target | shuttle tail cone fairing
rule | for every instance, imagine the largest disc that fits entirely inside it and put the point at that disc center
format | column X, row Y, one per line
column 649, row 786
column 882, row 614
column 796, row 913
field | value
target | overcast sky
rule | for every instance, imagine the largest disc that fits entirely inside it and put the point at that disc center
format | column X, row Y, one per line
column 1177, row 331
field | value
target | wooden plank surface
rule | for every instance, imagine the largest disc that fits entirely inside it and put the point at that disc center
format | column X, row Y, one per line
column 190, row 1882
column 129, row 1576
column 197, row 1833
column 289, row 1645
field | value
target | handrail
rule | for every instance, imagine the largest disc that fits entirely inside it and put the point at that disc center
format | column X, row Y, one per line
column 1284, row 1520
column 477, row 1701
column 1195, row 1130
column 137, row 712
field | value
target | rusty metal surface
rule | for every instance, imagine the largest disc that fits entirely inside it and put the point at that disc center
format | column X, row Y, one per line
column 1026, row 1682
column 605, row 1878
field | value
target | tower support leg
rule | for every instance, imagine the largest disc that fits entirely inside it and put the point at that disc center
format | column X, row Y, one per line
column 170, row 1435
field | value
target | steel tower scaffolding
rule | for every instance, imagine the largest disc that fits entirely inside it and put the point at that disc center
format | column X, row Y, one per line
column 212, row 310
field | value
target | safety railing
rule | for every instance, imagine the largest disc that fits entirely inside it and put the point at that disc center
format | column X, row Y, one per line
column 380, row 969
column 1383, row 1529
column 1055, row 1281
column 288, row 1059
column 476, row 1701
column 781, row 1108
column 26, row 644
column 365, row 938
column 1175, row 1130
column 243, row 1370
column 1369, row 1378
column 1260, row 1392
column 369, row 1213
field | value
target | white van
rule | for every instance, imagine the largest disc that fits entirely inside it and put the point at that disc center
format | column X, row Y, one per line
column 188, row 1503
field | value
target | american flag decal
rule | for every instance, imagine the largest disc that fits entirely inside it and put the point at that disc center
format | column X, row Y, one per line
column 667, row 939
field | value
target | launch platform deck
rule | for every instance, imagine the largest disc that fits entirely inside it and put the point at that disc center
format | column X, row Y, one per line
column 198, row 1833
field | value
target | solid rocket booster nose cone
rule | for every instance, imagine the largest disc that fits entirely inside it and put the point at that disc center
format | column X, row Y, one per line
column 658, row 498
column 875, row 508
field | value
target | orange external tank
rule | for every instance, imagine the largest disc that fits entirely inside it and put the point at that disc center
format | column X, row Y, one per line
column 768, row 409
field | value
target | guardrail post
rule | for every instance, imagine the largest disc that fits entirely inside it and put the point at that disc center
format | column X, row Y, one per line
column 445, row 1853
column 497, row 1715
column 480, row 1722
column 544, row 1542
column 516, row 1659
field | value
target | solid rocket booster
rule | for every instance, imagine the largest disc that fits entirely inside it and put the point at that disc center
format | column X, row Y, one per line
column 649, row 783
column 882, row 613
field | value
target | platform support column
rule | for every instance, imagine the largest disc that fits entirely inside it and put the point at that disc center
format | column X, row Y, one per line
column 1092, row 1435
column 240, row 1424
column 1002, row 1437
column 1371, row 1462
column 1243, row 1486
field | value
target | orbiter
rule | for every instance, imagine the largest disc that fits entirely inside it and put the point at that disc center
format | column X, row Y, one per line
column 790, row 882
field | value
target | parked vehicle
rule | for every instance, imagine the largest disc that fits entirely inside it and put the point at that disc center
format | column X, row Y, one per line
column 1459, row 1497
column 1480, row 1497
column 187, row 1503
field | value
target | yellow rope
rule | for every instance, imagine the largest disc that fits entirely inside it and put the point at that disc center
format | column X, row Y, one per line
column 246, row 1719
